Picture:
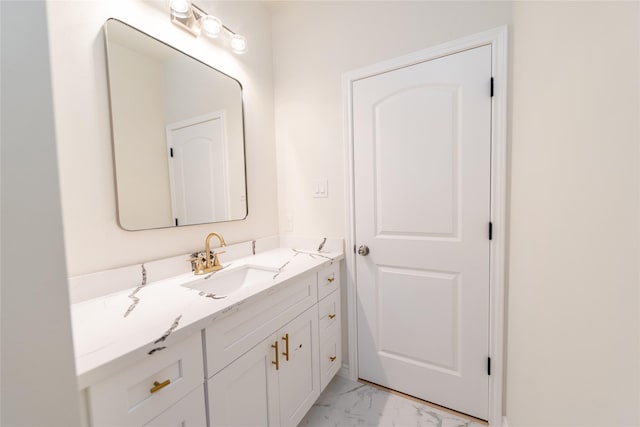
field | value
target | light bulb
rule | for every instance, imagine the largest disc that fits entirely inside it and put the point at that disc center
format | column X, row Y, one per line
column 211, row 26
column 180, row 8
column 238, row 43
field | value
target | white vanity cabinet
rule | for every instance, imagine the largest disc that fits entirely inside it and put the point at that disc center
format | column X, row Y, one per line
column 188, row 412
column 258, row 377
column 149, row 388
column 234, row 333
column 260, row 361
column 273, row 384
column 263, row 359
column 330, row 331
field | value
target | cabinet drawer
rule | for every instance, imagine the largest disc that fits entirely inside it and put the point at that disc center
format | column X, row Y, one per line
column 328, row 280
column 127, row 397
column 236, row 333
column 188, row 412
column 329, row 315
column 330, row 358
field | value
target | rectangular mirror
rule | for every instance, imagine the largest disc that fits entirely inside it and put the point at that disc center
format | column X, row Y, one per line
column 178, row 134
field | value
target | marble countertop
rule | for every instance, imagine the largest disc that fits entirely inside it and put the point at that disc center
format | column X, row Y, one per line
column 112, row 331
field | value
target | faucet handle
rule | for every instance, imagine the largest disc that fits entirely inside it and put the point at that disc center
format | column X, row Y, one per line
column 198, row 268
column 216, row 261
column 193, row 259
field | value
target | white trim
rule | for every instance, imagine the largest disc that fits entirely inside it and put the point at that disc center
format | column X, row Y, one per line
column 504, row 422
column 497, row 38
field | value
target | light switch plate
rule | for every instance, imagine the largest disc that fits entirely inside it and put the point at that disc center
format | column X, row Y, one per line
column 320, row 188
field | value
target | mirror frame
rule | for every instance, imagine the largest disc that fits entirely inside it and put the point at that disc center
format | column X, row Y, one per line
column 113, row 139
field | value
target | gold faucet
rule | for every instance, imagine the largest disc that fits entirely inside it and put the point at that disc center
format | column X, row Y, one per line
column 210, row 265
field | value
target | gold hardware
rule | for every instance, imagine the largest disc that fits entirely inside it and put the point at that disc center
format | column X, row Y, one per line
column 277, row 363
column 210, row 265
column 199, row 268
column 157, row 386
column 332, row 316
column 285, row 353
column 332, row 358
column 331, row 279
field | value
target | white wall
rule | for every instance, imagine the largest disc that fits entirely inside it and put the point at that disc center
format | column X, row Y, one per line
column 574, row 322
column 38, row 375
column 93, row 238
column 314, row 43
column 573, row 306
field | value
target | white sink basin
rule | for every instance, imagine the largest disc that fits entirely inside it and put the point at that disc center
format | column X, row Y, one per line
column 227, row 281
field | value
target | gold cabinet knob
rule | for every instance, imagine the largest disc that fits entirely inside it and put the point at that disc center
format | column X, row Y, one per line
column 332, row 358
column 332, row 316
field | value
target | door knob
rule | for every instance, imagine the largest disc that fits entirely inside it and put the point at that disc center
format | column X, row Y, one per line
column 363, row 250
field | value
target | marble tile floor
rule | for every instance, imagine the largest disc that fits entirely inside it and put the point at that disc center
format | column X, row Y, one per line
column 346, row 403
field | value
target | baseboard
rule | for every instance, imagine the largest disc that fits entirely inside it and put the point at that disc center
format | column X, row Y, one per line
column 504, row 422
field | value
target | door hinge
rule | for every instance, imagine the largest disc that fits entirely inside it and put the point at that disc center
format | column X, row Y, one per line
column 490, row 230
column 171, row 153
column 176, row 222
column 488, row 366
column 492, row 87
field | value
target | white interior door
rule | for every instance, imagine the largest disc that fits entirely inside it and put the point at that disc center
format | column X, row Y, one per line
column 198, row 170
column 422, row 145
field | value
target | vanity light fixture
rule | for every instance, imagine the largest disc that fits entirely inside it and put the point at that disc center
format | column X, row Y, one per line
column 180, row 8
column 195, row 20
column 211, row 26
column 238, row 43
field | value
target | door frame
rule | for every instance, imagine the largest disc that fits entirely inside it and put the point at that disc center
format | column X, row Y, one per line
column 497, row 39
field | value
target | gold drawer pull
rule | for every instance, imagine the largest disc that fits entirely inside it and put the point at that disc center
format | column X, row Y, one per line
column 276, row 362
column 331, row 279
column 332, row 316
column 332, row 358
column 285, row 353
column 157, row 386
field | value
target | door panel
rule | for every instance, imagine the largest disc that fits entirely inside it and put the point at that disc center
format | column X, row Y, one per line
column 245, row 393
column 431, row 206
column 430, row 305
column 422, row 145
column 299, row 377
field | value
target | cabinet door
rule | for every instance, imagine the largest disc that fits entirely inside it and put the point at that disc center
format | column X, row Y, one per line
column 189, row 412
column 299, row 381
column 245, row 393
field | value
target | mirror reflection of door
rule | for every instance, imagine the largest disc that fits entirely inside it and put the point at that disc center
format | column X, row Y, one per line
column 152, row 85
column 198, row 169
